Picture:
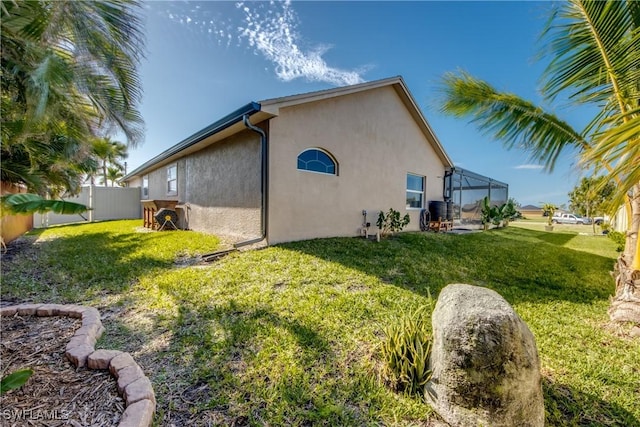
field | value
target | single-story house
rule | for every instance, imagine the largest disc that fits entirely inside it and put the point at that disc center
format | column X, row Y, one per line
column 313, row 165
column 531, row 211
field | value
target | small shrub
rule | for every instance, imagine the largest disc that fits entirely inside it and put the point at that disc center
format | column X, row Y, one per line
column 391, row 222
column 619, row 238
column 509, row 212
column 491, row 214
column 406, row 351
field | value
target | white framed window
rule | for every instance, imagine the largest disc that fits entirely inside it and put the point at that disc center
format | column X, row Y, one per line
column 317, row 160
column 415, row 191
column 145, row 187
column 172, row 180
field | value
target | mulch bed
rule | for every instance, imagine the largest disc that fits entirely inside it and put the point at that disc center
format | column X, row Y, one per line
column 57, row 394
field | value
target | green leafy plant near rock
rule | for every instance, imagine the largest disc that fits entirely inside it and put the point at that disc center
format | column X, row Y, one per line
column 15, row 380
column 406, row 351
column 391, row 222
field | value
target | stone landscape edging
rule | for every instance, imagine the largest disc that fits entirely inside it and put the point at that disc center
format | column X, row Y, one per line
column 134, row 387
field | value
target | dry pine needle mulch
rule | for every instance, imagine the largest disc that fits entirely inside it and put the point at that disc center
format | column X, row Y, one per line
column 57, row 394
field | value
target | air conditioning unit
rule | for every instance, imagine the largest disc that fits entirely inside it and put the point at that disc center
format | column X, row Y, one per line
column 166, row 219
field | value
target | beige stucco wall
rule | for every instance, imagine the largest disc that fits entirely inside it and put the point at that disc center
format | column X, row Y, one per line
column 220, row 186
column 223, row 187
column 376, row 143
column 158, row 182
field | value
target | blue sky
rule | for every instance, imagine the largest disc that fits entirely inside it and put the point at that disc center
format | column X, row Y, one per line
column 205, row 59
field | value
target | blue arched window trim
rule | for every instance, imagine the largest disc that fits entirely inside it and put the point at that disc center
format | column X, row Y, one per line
column 317, row 160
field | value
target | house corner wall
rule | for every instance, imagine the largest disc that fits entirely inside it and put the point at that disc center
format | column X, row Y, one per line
column 376, row 142
column 222, row 187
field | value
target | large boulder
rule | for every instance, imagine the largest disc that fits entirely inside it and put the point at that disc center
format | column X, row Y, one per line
column 484, row 359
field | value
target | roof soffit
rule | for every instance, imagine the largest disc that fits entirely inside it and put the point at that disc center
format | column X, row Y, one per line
column 168, row 156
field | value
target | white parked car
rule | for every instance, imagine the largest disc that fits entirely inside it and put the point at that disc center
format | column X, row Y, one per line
column 570, row 219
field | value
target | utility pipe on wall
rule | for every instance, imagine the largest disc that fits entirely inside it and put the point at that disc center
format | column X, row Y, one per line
column 263, row 183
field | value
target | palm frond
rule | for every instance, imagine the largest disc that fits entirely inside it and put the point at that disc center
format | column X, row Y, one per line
column 26, row 203
column 69, row 73
column 110, row 35
column 77, row 52
column 618, row 146
column 594, row 45
column 509, row 118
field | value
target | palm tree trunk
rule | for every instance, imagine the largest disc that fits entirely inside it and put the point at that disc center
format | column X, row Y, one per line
column 625, row 305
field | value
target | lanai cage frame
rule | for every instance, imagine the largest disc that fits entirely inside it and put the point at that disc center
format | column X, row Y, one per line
column 464, row 192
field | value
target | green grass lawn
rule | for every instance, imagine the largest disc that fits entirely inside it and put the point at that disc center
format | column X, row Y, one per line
column 290, row 335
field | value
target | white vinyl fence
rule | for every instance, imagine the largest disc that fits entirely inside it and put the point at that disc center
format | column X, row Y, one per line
column 619, row 221
column 106, row 203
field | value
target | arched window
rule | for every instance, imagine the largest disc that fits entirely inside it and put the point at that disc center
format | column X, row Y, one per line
column 317, row 160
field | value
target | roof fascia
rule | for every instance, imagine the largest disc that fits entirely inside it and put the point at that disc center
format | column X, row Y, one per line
column 178, row 150
column 274, row 105
column 271, row 107
column 470, row 174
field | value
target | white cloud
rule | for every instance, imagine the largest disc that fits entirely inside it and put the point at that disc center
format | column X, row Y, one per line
column 529, row 166
column 270, row 29
column 199, row 20
column 273, row 34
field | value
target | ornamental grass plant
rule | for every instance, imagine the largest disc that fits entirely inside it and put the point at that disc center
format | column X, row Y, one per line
column 406, row 350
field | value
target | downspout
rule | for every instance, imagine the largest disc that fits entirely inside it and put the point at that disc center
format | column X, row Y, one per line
column 263, row 183
column 447, row 183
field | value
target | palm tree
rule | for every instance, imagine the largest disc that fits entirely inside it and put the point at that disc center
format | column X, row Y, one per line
column 594, row 47
column 114, row 174
column 108, row 153
column 54, row 166
column 68, row 74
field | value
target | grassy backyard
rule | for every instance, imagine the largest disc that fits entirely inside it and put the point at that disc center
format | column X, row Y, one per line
column 289, row 335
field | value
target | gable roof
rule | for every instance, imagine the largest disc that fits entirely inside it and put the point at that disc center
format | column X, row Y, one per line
column 530, row 208
column 259, row 111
